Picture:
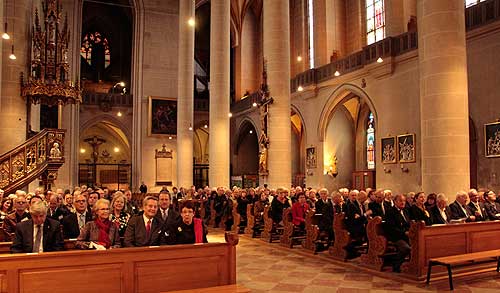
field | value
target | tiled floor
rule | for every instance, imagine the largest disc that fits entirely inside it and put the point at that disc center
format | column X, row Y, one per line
column 264, row 267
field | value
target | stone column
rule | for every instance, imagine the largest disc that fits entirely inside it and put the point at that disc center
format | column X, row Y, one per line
column 185, row 99
column 277, row 55
column 12, row 105
column 220, row 18
column 444, row 106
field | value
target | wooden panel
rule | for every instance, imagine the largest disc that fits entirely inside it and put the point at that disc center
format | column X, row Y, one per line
column 3, row 281
column 77, row 279
column 150, row 279
column 444, row 245
column 482, row 240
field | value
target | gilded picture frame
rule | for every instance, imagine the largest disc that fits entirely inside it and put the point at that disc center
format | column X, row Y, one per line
column 406, row 147
column 162, row 116
column 311, row 158
column 492, row 139
column 388, row 150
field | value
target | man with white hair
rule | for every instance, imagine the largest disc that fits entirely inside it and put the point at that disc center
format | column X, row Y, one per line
column 476, row 207
column 19, row 214
column 39, row 233
column 459, row 208
column 440, row 213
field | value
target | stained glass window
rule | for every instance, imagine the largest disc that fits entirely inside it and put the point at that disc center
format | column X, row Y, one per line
column 370, row 142
column 469, row 3
column 375, row 21
column 89, row 41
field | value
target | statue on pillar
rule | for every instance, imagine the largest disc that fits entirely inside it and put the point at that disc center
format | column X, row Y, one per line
column 264, row 103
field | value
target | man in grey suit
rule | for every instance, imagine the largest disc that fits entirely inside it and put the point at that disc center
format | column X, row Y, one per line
column 144, row 229
column 39, row 234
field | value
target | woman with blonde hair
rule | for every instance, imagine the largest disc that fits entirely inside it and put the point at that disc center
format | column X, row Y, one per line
column 101, row 231
column 118, row 214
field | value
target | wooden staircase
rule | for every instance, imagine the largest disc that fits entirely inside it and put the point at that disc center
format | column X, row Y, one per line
column 38, row 157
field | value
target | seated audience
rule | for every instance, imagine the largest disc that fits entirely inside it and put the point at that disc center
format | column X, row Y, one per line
column 38, row 234
column 379, row 206
column 396, row 229
column 19, row 215
column 491, row 206
column 167, row 216
column 441, row 213
column 56, row 210
column 459, row 208
column 278, row 205
column 188, row 229
column 130, row 207
column 418, row 211
column 118, row 215
column 388, row 197
column 322, row 201
column 355, row 220
column 68, row 201
column 144, row 229
column 476, row 207
column 74, row 222
column 410, row 200
column 92, row 199
column 101, row 231
column 299, row 210
column 430, row 202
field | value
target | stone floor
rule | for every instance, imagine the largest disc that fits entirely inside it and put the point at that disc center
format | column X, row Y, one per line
column 264, row 267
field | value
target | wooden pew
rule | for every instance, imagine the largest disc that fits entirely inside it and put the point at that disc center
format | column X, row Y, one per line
column 436, row 241
column 236, row 217
column 126, row 270
column 312, row 231
column 270, row 232
column 250, row 220
column 378, row 246
column 342, row 238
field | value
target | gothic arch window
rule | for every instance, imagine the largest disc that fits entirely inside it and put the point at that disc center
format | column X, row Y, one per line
column 469, row 3
column 90, row 41
column 375, row 21
column 370, row 142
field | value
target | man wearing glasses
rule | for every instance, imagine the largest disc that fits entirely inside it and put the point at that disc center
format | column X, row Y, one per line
column 74, row 222
column 19, row 215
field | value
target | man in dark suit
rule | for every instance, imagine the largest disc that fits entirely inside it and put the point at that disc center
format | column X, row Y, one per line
column 476, row 207
column 396, row 228
column 19, row 215
column 459, row 209
column 491, row 206
column 379, row 207
column 356, row 219
column 440, row 213
column 74, row 222
column 334, row 206
column 323, row 200
column 144, row 229
column 38, row 234
column 56, row 211
column 166, row 216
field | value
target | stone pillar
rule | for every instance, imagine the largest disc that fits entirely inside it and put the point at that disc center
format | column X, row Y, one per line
column 444, row 106
column 277, row 55
column 185, row 99
column 220, row 17
column 12, row 105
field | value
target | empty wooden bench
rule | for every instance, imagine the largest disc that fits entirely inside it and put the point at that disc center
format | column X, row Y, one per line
column 461, row 260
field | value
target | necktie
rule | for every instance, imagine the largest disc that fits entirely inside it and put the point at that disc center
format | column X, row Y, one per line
column 465, row 211
column 148, row 228
column 38, row 238
column 164, row 215
column 403, row 214
column 81, row 221
column 383, row 209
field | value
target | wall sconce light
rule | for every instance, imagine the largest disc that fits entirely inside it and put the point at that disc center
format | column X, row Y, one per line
column 332, row 167
column 404, row 169
column 387, row 170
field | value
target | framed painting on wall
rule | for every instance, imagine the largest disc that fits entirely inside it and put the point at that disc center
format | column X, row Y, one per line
column 492, row 139
column 162, row 116
column 311, row 158
column 406, row 148
column 388, row 147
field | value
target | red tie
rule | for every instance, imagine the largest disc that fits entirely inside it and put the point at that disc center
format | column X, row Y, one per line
column 148, row 228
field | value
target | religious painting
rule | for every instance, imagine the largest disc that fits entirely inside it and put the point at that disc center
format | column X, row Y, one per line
column 492, row 139
column 162, row 118
column 311, row 158
column 388, row 147
column 406, row 148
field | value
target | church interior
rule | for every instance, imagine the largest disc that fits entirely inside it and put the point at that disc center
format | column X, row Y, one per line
column 323, row 145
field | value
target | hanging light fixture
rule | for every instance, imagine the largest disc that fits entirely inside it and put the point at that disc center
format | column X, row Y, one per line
column 12, row 56
column 5, row 35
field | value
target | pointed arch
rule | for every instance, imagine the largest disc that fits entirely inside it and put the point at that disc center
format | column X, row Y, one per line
column 338, row 96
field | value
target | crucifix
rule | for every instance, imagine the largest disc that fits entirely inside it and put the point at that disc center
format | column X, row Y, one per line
column 264, row 103
column 95, row 142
